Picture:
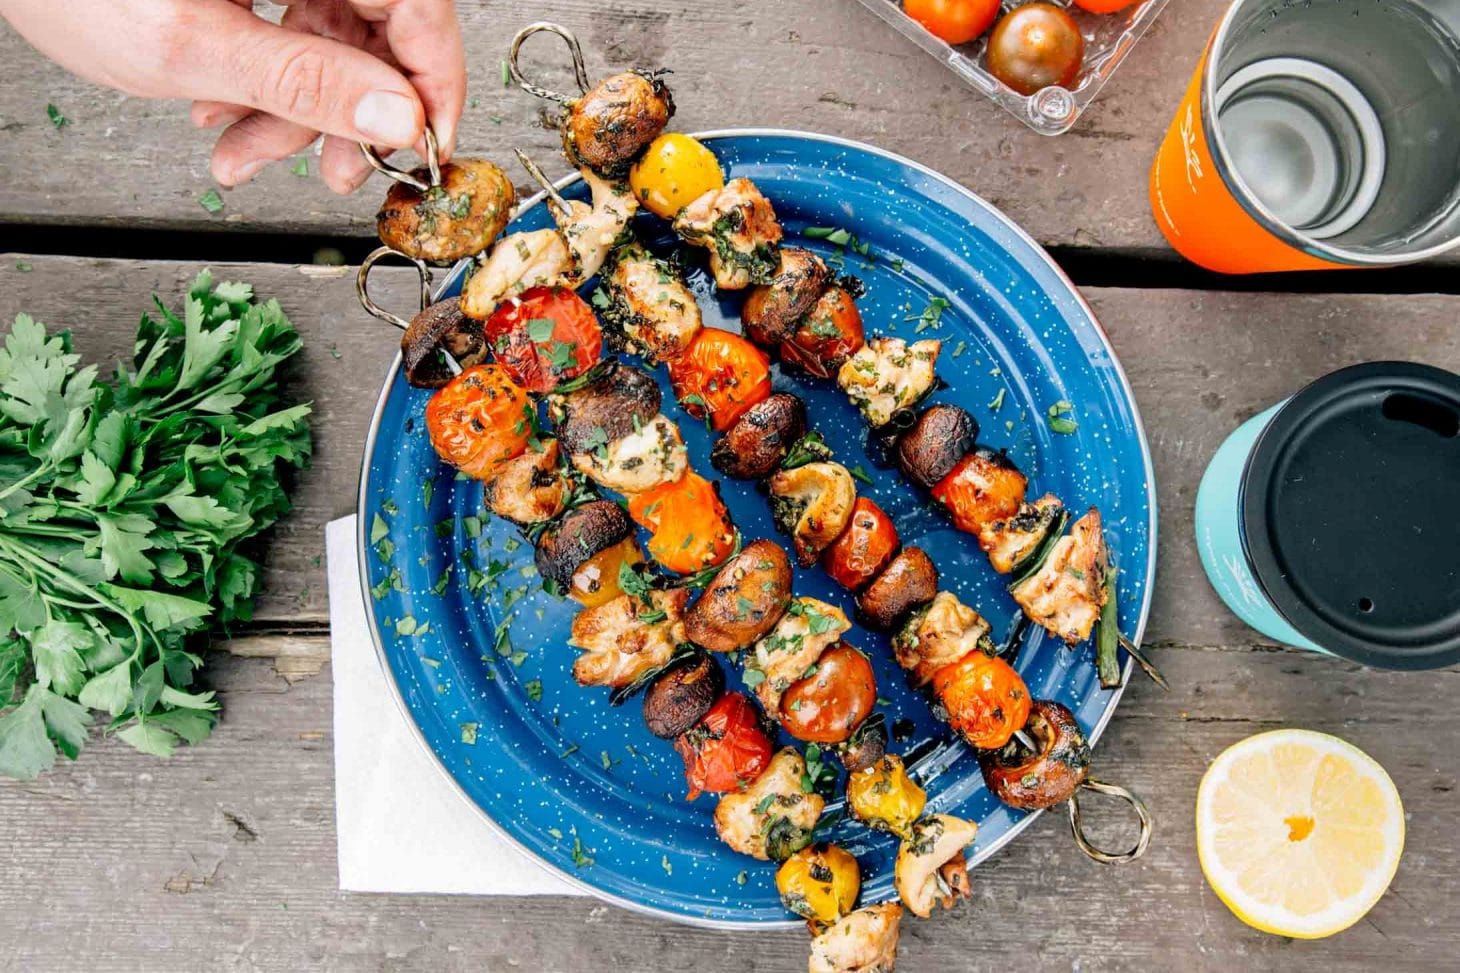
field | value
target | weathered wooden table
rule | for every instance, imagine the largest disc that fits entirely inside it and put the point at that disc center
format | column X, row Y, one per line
column 224, row 857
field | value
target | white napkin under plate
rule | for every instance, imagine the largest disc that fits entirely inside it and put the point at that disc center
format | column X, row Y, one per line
column 402, row 825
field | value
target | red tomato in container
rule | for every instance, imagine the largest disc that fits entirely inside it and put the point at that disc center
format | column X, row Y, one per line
column 954, row 21
column 1103, row 6
column 726, row 749
column 545, row 337
column 721, row 374
column 829, row 704
column 1035, row 46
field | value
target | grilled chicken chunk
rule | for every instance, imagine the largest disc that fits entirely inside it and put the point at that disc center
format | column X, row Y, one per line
column 650, row 455
column 813, row 503
column 807, row 629
column 888, row 374
column 537, row 258
column 739, row 228
column 771, row 819
column 1010, row 542
column 650, row 304
column 939, row 635
column 619, row 645
column 529, row 489
column 863, row 942
column 591, row 231
column 1067, row 592
column 931, row 870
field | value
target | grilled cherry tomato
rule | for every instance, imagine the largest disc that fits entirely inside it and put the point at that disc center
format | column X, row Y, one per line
column 983, row 487
column 689, row 526
column 545, row 337
column 720, row 373
column 863, row 549
column 985, row 699
column 820, row 883
column 827, row 705
column 480, row 420
column 673, row 172
column 955, row 21
column 726, row 750
column 884, row 797
column 1035, row 46
column 1103, row 6
column 829, row 334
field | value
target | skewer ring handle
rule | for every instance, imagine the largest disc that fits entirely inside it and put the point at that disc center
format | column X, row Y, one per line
column 362, row 285
column 1077, row 827
column 574, row 48
column 433, row 164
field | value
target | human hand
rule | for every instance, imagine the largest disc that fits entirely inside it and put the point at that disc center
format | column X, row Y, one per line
column 353, row 70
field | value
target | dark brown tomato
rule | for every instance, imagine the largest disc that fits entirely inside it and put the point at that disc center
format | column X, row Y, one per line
column 615, row 121
column 1035, row 46
column 826, row 706
column 1031, row 780
column 909, row 581
column 459, row 218
column 864, row 548
column 436, row 332
column 771, row 311
column 578, row 535
column 755, row 445
column 682, row 695
column 744, row 600
column 624, row 399
column 830, row 333
column 940, row 437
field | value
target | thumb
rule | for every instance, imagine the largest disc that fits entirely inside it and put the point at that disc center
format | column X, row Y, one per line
column 313, row 81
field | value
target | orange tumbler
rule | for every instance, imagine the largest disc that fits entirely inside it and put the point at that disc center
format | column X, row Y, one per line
column 1316, row 136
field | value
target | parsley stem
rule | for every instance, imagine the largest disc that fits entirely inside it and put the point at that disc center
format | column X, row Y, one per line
column 41, row 470
column 58, row 576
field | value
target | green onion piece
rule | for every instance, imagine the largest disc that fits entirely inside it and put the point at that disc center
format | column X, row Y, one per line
column 1107, row 638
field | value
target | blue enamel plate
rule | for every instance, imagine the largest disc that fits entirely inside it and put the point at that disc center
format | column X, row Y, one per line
column 478, row 652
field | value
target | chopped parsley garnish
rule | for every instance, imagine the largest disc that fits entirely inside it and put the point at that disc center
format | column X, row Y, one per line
column 300, row 167
column 211, row 201
column 860, row 473
column 57, row 119
column 469, row 733
column 1058, row 418
column 534, row 689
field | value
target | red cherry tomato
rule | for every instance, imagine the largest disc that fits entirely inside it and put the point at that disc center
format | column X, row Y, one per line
column 865, row 546
column 829, row 704
column 955, row 21
column 985, row 699
column 1103, row 6
column 689, row 526
column 1035, row 46
column 545, row 337
column 480, row 420
column 982, row 488
column 830, row 333
column 720, row 373
column 726, row 749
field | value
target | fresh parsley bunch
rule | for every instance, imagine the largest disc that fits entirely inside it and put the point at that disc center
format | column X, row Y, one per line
column 124, row 508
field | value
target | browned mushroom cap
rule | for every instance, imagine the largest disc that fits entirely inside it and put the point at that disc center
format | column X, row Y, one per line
column 1031, row 780
column 866, row 745
column 439, row 330
column 909, row 581
column 615, row 121
column 760, row 439
column 771, row 311
column 939, row 438
column 624, row 399
column 459, row 218
column 682, row 695
column 744, row 600
column 581, row 533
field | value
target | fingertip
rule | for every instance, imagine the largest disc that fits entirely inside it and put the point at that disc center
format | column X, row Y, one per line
column 342, row 166
column 390, row 118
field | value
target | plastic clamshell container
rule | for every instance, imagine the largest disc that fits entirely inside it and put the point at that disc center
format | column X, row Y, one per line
column 1049, row 111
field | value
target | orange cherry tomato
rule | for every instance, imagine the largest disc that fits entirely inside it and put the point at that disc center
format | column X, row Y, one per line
column 982, row 488
column 1103, row 6
column 955, row 21
column 830, row 333
column 865, row 546
column 720, row 373
column 1035, row 46
column 480, row 420
column 726, row 749
column 829, row 704
column 985, row 699
column 688, row 524
column 545, row 337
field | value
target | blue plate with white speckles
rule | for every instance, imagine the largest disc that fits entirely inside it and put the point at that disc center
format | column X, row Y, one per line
column 582, row 786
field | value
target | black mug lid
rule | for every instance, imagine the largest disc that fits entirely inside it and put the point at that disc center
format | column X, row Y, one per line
column 1351, row 514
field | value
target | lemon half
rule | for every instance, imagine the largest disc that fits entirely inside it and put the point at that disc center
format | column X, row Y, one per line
column 1299, row 833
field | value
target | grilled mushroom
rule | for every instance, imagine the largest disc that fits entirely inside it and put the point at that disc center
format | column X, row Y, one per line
column 622, row 400
column 812, row 503
column 773, row 818
column 436, row 332
column 931, row 870
column 1031, row 780
column 863, row 942
column 936, row 442
column 909, row 581
column 607, row 128
column 755, row 445
column 530, row 488
column 771, row 311
column 1065, row 594
column 568, row 545
column 682, row 695
column 624, row 638
column 866, row 746
column 747, row 597
column 459, row 218
column 938, row 635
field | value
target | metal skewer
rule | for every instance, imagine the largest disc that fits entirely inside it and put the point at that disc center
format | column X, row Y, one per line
column 433, row 164
column 362, row 290
column 580, row 73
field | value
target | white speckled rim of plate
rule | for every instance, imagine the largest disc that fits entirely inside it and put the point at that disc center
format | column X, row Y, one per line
column 981, row 854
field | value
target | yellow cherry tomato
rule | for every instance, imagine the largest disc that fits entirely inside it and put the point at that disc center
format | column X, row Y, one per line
column 884, row 797
column 819, row 883
column 673, row 172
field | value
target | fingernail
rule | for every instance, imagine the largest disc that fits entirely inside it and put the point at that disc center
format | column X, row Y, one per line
column 387, row 118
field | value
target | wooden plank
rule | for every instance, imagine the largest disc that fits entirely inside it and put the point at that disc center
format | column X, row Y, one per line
column 825, row 67
column 224, row 856
column 1200, row 363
